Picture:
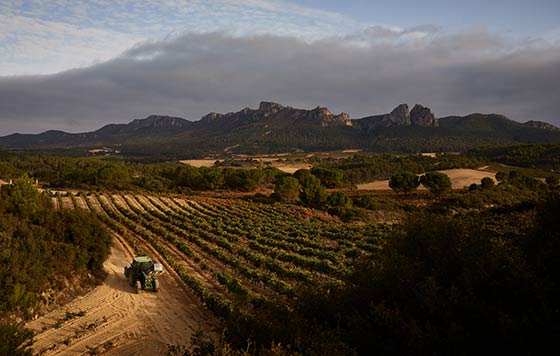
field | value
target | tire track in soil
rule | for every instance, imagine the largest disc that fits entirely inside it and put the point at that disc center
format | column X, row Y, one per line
column 117, row 321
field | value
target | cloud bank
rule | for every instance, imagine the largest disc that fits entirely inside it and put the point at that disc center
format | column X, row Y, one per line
column 365, row 73
column 44, row 37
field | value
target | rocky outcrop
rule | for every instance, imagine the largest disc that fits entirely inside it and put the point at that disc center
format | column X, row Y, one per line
column 400, row 116
column 270, row 112
column 319, row 114
column 211, row 116
column 342, row 119
column 269, row 107
column 422, row 116
column 326, row 118
column 541, row 125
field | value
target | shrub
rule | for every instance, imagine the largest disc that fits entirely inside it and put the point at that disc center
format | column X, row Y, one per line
column 339, row 200
column 486, row 183
column 405, row 182
column 437, row 182
column 287, row 189
column 313, row 193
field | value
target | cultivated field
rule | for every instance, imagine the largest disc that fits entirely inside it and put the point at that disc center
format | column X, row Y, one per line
column 276, row 162
column 221, row 256
column 460, row 178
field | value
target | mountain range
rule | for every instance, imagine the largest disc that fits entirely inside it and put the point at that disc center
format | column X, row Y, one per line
column 273, row 128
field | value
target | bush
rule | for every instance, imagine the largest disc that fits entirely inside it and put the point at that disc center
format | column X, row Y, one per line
column 15, row 339
column 329, row 177
column 444, row 286
column 313, row 193
column 473, row 187
column 339, row 200
column 486, row 183
column 405, row 182
column 437, row 182
column 287, row 189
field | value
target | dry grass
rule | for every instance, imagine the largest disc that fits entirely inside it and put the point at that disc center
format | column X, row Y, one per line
column 199, row 162
column 460, row 178
column 286, row 167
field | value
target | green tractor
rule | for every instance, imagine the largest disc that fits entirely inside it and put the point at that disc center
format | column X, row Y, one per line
column 142, row 274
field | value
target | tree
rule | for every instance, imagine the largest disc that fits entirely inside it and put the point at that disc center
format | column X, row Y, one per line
column 287, row 189
column 502, row 176
column 445, row 286
column 329, row 177
column 486, row 183
column 404, row 182
column 23, row 199
column 313, row 193
column 520, row 180
column 339, row 200
column 302, row 174
column 212, row 178
column 437, row 182
column 473, row 187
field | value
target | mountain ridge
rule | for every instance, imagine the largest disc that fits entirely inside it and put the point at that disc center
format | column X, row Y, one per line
column 273, row 127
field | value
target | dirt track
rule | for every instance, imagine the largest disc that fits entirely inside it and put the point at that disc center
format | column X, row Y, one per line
column 116, row 321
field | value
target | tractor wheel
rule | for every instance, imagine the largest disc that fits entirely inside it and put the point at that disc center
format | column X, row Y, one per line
column 156, row 285
column 138, row 287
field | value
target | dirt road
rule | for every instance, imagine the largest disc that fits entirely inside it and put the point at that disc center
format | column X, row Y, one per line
column 113, row 320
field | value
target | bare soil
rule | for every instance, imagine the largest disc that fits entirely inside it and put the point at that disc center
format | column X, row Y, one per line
column 287, row 167
column 113, row 320
column 81, row 202
column 199, row 162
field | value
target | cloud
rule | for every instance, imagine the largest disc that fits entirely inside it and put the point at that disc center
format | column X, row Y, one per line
column 43, row 37
column 190, row 75
column 379, row 34
column 31, row 46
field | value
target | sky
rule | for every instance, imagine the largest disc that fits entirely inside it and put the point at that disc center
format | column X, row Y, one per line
column 78, row 65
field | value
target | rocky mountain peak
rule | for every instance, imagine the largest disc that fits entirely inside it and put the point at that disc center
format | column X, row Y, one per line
column 400, row 115
column 327, row 119
column 343, row 119
column 422, row 116
column 541, row 125
column 270, row 107
column 320, row 113
column 211, row 116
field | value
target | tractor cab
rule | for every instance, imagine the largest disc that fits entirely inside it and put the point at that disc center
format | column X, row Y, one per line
column 142, row 273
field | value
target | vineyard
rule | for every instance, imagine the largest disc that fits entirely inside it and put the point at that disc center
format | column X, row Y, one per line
column 235, row 255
